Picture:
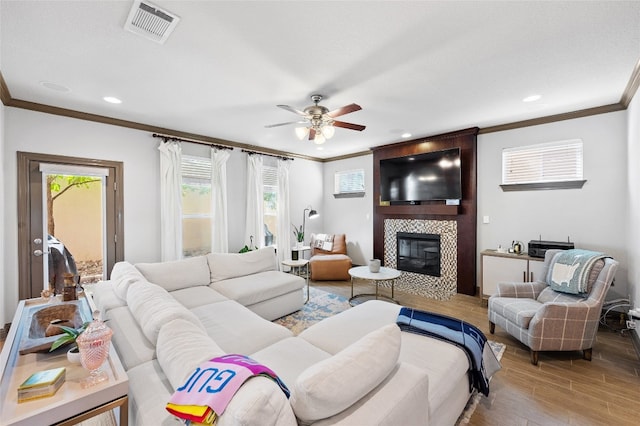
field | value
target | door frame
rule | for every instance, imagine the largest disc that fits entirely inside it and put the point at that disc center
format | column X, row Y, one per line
column 114, row 214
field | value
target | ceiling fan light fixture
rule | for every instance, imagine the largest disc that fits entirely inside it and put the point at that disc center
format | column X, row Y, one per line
column 319, row 139
column 302, row 132
column 328, row 131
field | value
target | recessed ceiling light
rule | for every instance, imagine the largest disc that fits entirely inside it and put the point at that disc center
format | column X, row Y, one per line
column 532, row 98
column 406, row 135
column 54, row 86
column 112, row 100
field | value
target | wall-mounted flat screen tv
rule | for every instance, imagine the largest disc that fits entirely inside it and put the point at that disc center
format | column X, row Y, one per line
column 423, row 177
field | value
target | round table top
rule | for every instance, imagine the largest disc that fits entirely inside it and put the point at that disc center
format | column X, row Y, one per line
column 364, row 273
column 295, row 263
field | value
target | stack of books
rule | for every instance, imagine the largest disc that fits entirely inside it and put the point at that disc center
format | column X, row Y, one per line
column 41, row 384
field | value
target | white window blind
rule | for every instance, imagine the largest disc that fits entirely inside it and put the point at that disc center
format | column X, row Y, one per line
column 196, row 169
column 543, row 163
column 349, row 182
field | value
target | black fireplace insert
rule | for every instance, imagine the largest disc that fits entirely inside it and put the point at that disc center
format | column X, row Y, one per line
column 419, row 253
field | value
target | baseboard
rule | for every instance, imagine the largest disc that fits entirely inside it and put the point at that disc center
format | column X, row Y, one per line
column 636, row 343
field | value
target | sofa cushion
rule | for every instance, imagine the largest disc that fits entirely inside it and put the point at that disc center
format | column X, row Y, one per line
column 238, row 330
column 336, row 383
column 290, row 357
column 181, row 348
column 257, row 287
column 177, row 274
column 152, row 306
column 132, row 345
column 193, row 297
column 104, row 296
column 123, row 275
column 230, row 265
column 519, row 311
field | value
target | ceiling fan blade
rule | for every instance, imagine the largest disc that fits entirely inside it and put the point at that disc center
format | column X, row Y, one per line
column 312, row 134
column 292, row 109
column 268, row 126
column 344, row 110
column 358, row 127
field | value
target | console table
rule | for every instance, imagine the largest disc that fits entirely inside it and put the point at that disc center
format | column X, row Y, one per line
column 71, row 404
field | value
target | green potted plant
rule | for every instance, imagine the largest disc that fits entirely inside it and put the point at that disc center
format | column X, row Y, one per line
column 69, row 335
column 249, row 247
column 299, row 234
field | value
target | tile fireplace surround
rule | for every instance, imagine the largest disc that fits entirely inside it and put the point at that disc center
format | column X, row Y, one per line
column 440, row 288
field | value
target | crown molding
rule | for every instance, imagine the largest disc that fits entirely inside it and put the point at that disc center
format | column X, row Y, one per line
column 5, row 95
column 632, row 87
column 553, row 118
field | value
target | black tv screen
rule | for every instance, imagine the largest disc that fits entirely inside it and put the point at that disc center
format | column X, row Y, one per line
column 423, row 177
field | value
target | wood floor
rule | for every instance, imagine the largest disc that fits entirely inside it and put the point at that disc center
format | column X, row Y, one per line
column 563, row 389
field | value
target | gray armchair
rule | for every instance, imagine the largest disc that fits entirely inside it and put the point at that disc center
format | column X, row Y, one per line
column 548, row 320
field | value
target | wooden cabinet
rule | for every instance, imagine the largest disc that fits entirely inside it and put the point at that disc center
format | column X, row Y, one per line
column 497, row 267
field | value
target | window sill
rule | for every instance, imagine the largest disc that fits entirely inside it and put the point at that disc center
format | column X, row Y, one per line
column 349, row 195
column 574, row 184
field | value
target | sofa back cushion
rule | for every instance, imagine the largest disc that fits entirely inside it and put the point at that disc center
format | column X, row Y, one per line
column 332, row 385
column 231, row 265
column 181, row 348
column 123, row 275
column 339, row 246
column 152, row 307
column 177, row 274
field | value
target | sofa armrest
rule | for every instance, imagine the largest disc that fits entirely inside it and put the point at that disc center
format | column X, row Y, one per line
column 530, row 290
column 401, row 399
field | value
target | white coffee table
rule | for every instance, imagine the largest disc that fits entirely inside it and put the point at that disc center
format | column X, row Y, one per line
column 363, row 273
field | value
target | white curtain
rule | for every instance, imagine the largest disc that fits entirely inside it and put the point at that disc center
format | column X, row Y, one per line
column 219, row 223
column 170, row 201
column 254, row 221
column 283, row 227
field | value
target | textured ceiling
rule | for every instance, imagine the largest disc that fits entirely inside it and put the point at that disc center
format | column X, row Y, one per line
column 419, row 67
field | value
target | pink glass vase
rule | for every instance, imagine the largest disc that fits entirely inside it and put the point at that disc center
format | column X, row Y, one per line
column 94, row 345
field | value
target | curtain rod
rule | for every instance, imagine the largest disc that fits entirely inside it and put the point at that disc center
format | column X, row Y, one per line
column 282, row 157
column 173, row 138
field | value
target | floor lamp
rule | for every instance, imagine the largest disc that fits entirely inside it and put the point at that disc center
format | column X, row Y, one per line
column 312, row 214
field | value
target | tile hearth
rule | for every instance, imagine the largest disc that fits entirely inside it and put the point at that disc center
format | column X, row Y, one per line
column 440, row 288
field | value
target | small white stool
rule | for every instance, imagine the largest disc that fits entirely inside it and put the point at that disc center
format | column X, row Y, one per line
column 300, row 268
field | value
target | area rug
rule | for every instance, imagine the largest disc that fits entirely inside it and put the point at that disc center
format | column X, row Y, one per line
column 498, row 349
column 320, row 306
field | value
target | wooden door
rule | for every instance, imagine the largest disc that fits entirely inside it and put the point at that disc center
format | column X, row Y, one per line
column 32, row 235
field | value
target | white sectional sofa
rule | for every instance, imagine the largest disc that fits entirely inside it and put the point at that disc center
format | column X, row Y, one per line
column 354, row 368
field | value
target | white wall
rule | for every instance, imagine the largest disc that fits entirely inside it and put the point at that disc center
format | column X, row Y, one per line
column 30, row 131
column 351, row 216
column 3, row 175
column 594, row 217
column 633, row 194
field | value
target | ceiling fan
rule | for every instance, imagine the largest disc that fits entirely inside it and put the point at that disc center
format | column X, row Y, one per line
column 319, row 123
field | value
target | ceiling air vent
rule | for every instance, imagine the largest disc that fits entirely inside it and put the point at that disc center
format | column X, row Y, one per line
column 149, row 21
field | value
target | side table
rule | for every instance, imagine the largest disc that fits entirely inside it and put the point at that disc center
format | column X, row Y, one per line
column 300, row 268
column 363, row 272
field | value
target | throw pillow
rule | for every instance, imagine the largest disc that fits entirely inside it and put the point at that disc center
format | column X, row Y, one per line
column 332, row 385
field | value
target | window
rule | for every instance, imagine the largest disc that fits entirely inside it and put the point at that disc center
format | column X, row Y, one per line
column 552, row 165
column 349, row 183
column 196, row 205
column 270, row 207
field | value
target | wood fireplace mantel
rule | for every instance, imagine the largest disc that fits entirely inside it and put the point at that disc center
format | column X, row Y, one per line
column 464, row 214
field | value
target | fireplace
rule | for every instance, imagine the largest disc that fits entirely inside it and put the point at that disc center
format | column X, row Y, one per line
column 419, row 253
